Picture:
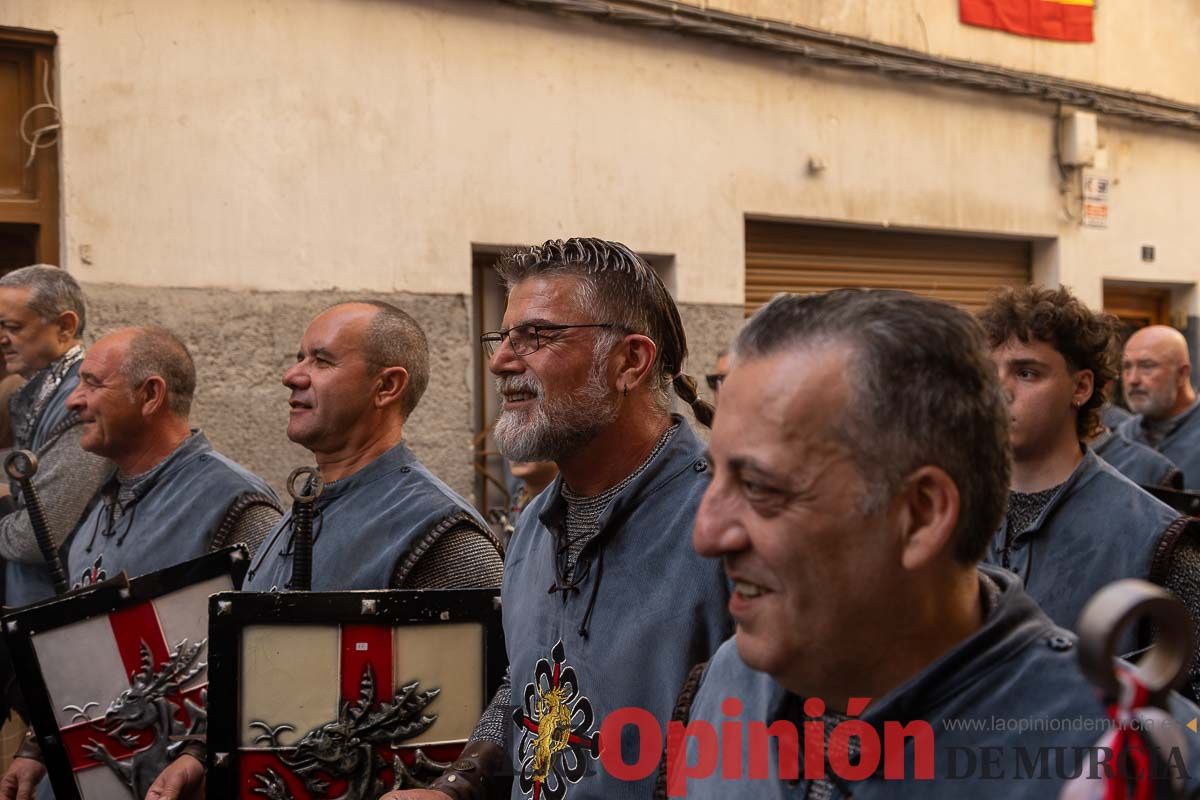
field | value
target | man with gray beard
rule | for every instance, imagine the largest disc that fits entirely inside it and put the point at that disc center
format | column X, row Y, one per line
column 604, row 599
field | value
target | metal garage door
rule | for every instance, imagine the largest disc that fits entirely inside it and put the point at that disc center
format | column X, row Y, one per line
column 790, row 257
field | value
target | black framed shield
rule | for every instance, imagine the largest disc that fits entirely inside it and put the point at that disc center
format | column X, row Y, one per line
column 346, row 694
column 115, row 675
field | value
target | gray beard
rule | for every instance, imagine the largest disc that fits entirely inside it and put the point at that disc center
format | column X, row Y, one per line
column 555, row 428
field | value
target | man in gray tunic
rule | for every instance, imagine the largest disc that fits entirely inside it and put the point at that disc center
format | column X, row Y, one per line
column 601, row 586
column 1157, row 375
column 42, row 318
column 1073, row 522
column 383, row 520
column 172, row 498
column 851, row 518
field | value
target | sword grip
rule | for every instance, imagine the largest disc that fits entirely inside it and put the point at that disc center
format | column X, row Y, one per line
column 21, row 466
column 303, row 503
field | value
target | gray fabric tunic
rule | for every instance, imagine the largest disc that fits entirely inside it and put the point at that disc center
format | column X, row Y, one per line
column 67, row 481
column 364, row 525
column 1100, row 527
column 1181, row 443
column 1143, row 465
column 638, row 611
column 171, row 517
column 1017, row 667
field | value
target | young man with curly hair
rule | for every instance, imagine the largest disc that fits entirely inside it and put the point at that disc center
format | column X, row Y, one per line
column 1073, row 522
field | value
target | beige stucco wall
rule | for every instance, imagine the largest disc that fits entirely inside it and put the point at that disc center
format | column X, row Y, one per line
column 1149, row 47
column 365, row 144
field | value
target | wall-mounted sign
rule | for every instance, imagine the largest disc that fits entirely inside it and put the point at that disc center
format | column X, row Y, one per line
column 1095, row 201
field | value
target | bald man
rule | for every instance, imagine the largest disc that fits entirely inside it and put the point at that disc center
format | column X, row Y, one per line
column 1156, row 371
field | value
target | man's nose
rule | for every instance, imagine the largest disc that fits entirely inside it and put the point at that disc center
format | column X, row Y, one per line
column 717, row 531
column 75, row 399
column 296, row 377
column 504, row 360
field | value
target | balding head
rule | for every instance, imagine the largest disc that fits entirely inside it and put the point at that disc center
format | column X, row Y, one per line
column 1156, row 372
column 392, row 338
column 134, row 394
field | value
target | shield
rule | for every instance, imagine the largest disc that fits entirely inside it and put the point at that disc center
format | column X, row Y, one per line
column 346, row 695
column 115, row 675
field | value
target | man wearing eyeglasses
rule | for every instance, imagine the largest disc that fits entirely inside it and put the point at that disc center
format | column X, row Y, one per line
column 606, row 606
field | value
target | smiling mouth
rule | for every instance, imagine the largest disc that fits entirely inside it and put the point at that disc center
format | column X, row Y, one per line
column 749, row 590
column 518, row 397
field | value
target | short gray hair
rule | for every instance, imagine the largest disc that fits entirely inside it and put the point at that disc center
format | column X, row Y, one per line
column 52, row 291
column 155, row 350
column 617, row 286
column 394, row 339
column 924, row 391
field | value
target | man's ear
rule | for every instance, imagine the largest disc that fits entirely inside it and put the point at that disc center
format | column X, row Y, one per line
column 391, row 385
column 67, row 323
column 926, row 512
column 636, row 357
column 1085, row 384
column 153, row 395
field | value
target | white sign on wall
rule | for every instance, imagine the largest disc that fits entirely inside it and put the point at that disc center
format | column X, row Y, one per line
column 1095, row 201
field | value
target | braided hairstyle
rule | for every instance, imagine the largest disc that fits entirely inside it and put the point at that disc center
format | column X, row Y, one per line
column 623, row 289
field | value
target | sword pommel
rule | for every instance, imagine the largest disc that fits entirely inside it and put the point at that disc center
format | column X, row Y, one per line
column 1113, row 611
column 21, row 465
column 310, row 490
column 302, row 525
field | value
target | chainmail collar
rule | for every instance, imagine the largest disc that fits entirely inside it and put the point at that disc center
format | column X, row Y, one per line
column 28, row 402
column 1024, row 508
column 583, row 513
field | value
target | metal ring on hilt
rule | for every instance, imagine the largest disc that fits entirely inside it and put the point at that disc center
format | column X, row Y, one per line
column 20, row 465
column 1110, row 613
column 315, row 484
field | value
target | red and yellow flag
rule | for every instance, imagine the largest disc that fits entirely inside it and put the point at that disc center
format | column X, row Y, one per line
column 1066, row 20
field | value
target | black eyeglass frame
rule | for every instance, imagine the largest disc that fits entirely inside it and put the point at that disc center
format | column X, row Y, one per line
column 494, row 340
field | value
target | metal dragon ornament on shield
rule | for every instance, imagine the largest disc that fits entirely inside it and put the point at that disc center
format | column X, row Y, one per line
column 115, row 675
column 346, row 695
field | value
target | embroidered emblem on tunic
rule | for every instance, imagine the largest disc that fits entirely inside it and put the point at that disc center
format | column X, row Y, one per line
column 555, row 725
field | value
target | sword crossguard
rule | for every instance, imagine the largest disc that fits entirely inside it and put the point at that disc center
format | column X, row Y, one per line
column 21, row 465
column 311, row 488
column 1106, row 618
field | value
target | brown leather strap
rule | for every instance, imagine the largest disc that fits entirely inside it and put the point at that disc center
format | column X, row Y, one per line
column 466, row 777
column 29, row 748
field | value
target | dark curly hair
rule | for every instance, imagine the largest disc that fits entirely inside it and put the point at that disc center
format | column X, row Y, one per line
column 1084, row 337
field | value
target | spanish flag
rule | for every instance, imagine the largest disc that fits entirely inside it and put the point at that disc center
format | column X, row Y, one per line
column 1065, row 20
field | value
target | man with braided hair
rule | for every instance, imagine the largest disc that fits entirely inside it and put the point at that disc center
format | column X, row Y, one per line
column 1073, row 522
column 172, row 498
column 606, row 606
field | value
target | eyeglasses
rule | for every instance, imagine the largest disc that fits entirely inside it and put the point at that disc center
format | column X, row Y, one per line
column 714, row 381
column 525, row 339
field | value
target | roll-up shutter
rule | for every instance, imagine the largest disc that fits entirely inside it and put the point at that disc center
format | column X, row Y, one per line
column 789, row 257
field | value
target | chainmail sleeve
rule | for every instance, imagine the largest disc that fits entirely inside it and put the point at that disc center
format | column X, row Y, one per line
column 67, row 480
column 458, row 553
column 247, row 521
column 1177, row 568
column 494, row 722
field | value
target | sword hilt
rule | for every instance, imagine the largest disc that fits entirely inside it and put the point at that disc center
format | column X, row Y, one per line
column 303, row 502
column 21, row 466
